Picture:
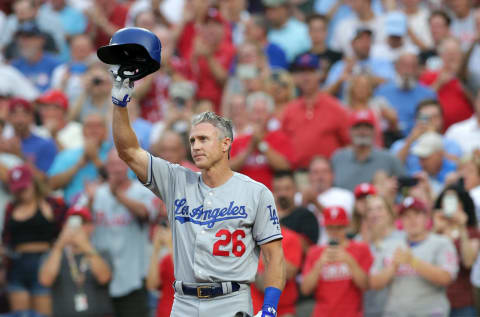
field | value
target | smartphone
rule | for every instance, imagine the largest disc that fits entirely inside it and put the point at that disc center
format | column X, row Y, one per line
column 406, row 181
column 449, row 204
column 74, row 221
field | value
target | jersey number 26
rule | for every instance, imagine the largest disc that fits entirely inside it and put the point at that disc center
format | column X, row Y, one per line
column 238, row 247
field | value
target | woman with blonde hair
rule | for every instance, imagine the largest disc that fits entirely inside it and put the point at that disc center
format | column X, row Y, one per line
column 360, row 98
column 380, row 225
column 32, row 223
column 281, row 87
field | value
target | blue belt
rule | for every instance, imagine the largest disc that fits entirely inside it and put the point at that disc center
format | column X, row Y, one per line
column 207, row 291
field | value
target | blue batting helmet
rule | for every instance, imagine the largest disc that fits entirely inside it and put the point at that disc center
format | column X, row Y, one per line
column 136, row 50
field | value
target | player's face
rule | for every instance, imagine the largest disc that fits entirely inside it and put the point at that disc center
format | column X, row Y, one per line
column 206, row 147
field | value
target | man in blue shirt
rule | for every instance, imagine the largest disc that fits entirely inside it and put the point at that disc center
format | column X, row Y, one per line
column 405, row 92
column 73, row 169
column 429, row 149
column 34, row 149
column 34, row 62
column 428, row 119
column 287, row 32
column 340, row 73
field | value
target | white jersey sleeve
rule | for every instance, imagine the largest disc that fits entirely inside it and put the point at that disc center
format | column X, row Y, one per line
column 267, row 225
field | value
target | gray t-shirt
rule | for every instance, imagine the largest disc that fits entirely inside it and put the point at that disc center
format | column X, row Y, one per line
column 64, row 290
column 374, row 301
column 123, row 236
column 345, row 165
column 409, row 294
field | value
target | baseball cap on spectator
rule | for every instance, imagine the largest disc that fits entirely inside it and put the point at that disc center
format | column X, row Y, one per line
column 29, row 28
column 364, row 189
column 54, row 97
column 361, row 30
column 427, row 144
column 81, row 211
column 16, row 103
column 306, row 61
column 274, row 3
column 335, row 216
column 19, row 178
column 396, row 24
column 213, row 14
column 362, row 117
column 412, row 203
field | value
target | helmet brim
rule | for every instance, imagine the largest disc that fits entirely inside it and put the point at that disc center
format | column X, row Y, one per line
column 125, row 54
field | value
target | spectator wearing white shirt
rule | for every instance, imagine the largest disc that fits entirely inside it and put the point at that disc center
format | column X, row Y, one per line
column 467, row 133
column 418, row 29
column 439, row 26
column 68, row 76
column 364, row 17
column 397, row 42
column 463, row 22
column 321, row 192
column 471, row 70
column 53, row 112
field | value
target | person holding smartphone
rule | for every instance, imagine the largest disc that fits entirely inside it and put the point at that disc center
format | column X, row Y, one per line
column 77, row 274
column 337, row 272
column 455, row 218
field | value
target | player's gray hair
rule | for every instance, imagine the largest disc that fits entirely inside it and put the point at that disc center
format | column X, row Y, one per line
column 260, row 96
column 224, row 125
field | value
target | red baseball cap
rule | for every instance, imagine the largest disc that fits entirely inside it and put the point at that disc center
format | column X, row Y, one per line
column 412, row 203
column 54, row 97
column 335, row 216
column 16, row 103
column 19, row 178
column 362, row 117
column 81, row 211
column 214, row 15
column 364, row 189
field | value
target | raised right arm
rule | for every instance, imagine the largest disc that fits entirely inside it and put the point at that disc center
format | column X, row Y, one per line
column 127, row 145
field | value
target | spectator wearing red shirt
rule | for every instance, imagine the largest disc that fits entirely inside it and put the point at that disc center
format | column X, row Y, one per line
column 105, row 18
column 260, row 154
column 211, row 58
column 316, row 122
column 337, row 273
column 292, row 248
column 160, row 272
column 452, row 95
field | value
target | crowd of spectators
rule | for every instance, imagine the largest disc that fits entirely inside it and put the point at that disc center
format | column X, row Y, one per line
column 361, row 116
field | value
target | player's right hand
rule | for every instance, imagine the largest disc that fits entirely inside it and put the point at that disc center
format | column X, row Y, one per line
column 122, row 88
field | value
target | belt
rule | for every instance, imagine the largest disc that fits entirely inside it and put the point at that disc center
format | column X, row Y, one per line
column 208, row 291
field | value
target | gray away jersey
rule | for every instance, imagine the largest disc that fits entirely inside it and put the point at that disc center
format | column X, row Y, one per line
column 217, row 232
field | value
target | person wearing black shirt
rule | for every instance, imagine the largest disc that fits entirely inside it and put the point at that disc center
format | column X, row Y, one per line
column 317, row 29
column 298, row 219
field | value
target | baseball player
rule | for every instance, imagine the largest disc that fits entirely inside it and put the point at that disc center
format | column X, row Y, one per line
column 220, row 220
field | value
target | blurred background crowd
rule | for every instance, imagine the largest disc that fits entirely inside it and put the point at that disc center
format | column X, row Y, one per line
column 362, row 117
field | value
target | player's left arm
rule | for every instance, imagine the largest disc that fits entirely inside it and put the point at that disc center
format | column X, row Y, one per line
column 275, row 267
column 274, row 277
